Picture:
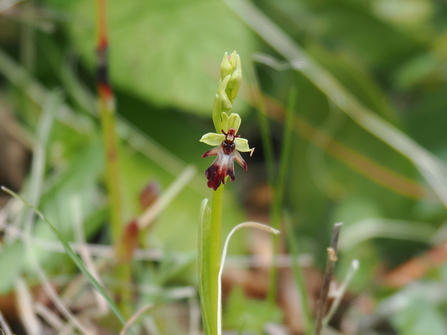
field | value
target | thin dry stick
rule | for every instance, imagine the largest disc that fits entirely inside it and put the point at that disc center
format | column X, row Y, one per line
column 341, row 291
column 29, row 319
column 49, row 316
column 332, row 258
column 5, row 330
column 149, row 215
column 134, row 317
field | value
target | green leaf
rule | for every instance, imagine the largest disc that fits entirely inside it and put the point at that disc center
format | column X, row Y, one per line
column 162, row 51
column 419, row 316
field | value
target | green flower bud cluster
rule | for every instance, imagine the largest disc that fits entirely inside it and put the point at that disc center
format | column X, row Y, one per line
column 230, row 82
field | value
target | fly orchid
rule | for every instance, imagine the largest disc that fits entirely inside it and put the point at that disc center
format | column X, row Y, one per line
column 227, row 147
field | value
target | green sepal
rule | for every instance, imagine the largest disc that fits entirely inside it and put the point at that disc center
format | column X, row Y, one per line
column 231, row 121
column 213, row 139
column 242, row 144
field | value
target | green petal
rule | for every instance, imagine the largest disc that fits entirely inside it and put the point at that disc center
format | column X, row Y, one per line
column 224, row 121
column 213, row 139
column 242, row 145
column 234, row 121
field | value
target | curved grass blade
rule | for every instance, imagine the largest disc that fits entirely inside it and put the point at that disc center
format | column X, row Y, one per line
column 371, row 228
column 298, row 276
column 222, row 263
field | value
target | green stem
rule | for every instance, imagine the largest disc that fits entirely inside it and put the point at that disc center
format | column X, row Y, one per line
column 215, row 255
column 113, row 175
column 298, row 275
column 267, row 145
column 108, row 123
column 266, row 138
column 278, row 191
column 122, row 271
column 27, row 41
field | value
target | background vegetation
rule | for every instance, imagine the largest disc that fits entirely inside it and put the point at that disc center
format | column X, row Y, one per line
column 369, row 149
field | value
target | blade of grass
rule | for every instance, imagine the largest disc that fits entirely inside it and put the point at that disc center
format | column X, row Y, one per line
column 386, row 228
column 285, row 154
column 134, row 318
column 278, row 189
column 322, row 137
column 49, row 289
column 74, row 257
column 19, row 77
column 50, row 107
column 358, row 162
column 433, row 170
column 78, row 226
column 298, row 275
column 27, row 37
column 263, row 124
column 34, row 189
column 320, row 141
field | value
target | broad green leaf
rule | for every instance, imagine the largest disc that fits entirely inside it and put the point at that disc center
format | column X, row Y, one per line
column 162, row 51
column 419, row 316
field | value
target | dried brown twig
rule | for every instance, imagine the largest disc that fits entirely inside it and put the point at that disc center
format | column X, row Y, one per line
column 332, row 258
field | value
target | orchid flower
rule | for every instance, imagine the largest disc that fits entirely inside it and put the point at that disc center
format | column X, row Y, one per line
column 228, row 145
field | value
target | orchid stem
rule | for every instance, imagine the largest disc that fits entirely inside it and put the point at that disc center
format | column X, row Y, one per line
column 215, row 256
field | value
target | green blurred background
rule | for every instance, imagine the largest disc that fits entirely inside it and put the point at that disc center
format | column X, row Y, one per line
column 389, row 55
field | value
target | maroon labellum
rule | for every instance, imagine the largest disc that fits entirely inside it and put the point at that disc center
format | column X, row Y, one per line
column 223, row 165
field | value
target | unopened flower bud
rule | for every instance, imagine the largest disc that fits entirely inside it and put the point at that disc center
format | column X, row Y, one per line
column 225, row 67
column 221, row 103
column 236, row 78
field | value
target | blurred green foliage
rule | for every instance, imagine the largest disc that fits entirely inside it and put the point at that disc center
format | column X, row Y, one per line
column 389, row 54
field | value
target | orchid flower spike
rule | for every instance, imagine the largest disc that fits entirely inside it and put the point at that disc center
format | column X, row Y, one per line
column 228, row 145
column 229, row 84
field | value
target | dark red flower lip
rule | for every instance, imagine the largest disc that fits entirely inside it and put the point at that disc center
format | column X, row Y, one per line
column 223, row 165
